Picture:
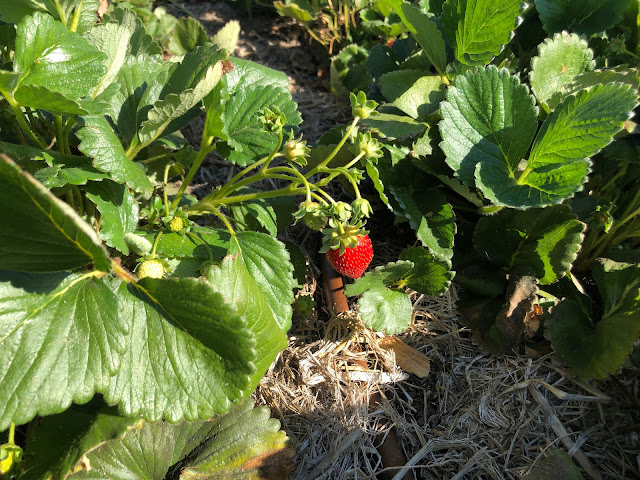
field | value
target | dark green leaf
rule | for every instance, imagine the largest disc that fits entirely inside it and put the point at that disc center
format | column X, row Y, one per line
column 61, row 340
column 557, row 465
column 99, row 141
column 489, row 117
column 233, row 281
column 119, row 212
column 267, row 260
column 539, row 242
column 54, row 237
column 479, row 31
column 384, row 276
column 55, row 444
column 190, row 354
column 241, row 444
column 585, row 17
column 395, row 126
column 48, row 55
column 430, row 216
column 430, row 276
column 187, row 35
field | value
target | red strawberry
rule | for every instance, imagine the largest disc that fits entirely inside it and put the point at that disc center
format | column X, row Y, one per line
column 354, row 261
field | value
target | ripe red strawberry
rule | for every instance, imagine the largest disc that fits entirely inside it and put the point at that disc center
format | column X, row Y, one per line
column 354, row 261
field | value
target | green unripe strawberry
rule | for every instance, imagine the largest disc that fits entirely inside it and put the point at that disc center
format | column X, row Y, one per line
column 176, row 224
column 152, row 268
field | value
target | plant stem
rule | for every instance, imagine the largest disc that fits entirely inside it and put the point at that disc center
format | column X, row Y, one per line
column 12, row 434
column 273, row 153
column 76, row 17
column 57, row 121
column 61, row 14
column 205, row 148
column 21, row 121
column 224, row 219
column 335, row 151
column 165, row 180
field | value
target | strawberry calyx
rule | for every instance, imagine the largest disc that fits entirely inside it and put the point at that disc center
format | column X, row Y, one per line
column 341, row 235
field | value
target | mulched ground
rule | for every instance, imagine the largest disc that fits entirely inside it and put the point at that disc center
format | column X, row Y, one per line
column 474, row 416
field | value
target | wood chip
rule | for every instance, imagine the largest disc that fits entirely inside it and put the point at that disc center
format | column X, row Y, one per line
column 408, row 358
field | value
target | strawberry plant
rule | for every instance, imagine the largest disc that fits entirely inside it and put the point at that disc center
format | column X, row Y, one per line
column 128, row 301
column 509, row 148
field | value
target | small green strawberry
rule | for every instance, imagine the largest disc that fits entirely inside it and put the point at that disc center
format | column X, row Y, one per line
column 175, row 224
column 151, row 268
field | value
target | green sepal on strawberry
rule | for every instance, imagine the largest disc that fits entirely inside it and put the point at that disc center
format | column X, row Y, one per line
column 348, row 248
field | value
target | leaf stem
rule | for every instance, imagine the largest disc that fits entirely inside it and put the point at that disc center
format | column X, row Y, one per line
column 76, row 17
column 165, row 180
column 12, row 434
column 155, row 244
column 224, row 219
column 63, row 17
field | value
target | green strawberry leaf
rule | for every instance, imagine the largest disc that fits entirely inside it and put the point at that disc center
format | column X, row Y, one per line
column 585, row 17
column 239, row 289
column 384, row 276
column 594, row 78
column 119, row 212
column 488, row 117
column 190, row 354
column 174, row 106
column 425, row 31
column 479, row 31
column 560, row 60
column 8, row 81
column 55, row 444
column 599, row 350
column 202, row 242
column 243, row 129
column 113, row 40
column 241, row 444
column 187, row 35
column 395, row 126
column 430, row 216
column 558, row 163
column 539, row 242
column 44, row 99
column 48, row 55
column 227, row 37
column 393, row 84
column 61, row 340
column 268, row 262
column 430, row 275
column 384, row 309
column 140, row 43
column 419, row 99
column 99, row 141
column 55, row 238
column 557, row 464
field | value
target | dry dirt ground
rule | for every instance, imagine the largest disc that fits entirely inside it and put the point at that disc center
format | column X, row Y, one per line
column 474, row 416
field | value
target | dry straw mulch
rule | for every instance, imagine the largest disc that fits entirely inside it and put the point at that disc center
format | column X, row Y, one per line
column 475, row 416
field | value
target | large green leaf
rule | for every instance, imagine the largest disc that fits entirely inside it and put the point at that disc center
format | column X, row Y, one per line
column 99, row 141
column 204, row 243
column 267, row 260
column 119, row 212
column 55, row 444
column 389, row 275
column 539, row 242
column 190, row 354
column 596, row 351
column 479, row 29
column 243, row 129
column 560, row 60
column 425, row 31
column 40, row 233
column 395, row 126
column 421, row 98
column 233, row 281
column 488, row 117
column 174, row 106
column 141, row 43
column 586, row 17
column 61, row 340
column 559, row 160
column 243, row 444
column 113, row 40
column 48, row 55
